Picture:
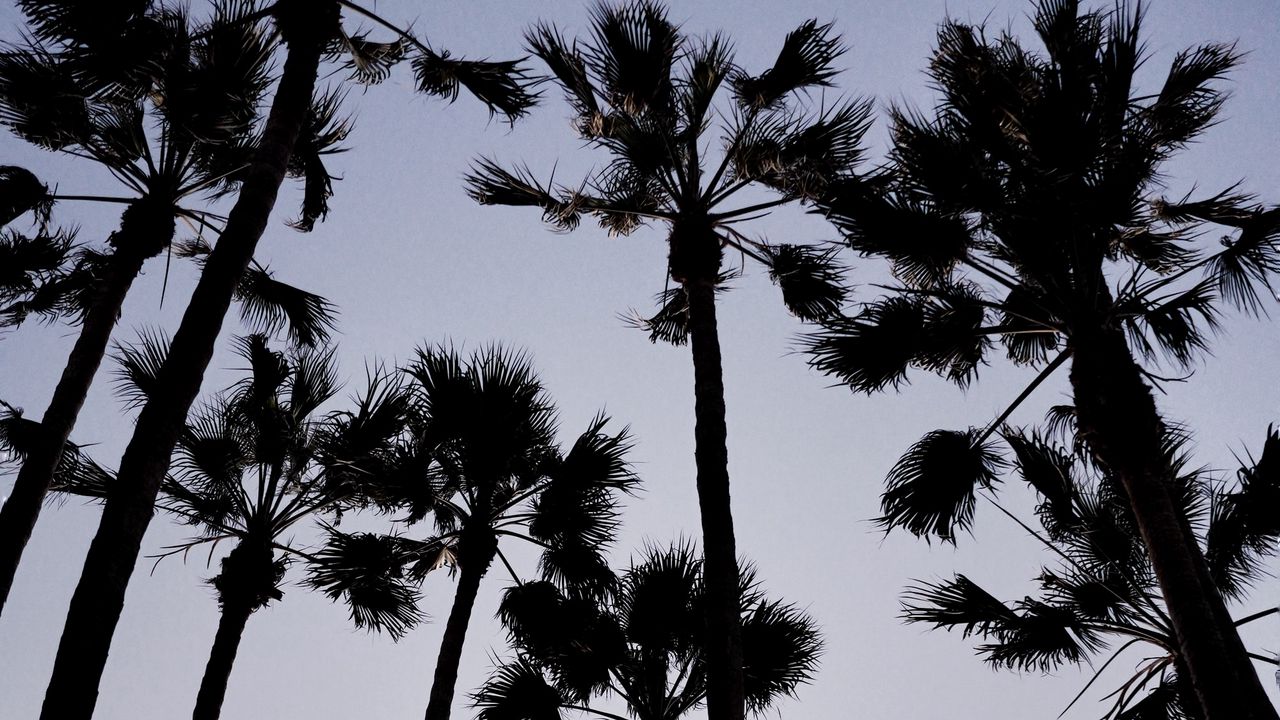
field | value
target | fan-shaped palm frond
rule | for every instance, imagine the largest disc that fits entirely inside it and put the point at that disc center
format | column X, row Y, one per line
column 930, row 490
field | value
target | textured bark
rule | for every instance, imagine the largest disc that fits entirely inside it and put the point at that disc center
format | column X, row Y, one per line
column 475, row 563
column 725, row 693
column 99, row 596
column 22, row 509
column 1118, row 419
column 213, row 687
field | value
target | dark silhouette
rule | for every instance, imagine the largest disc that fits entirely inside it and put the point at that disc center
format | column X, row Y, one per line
column 310, row 29
column 645, row 94
column 1103, row 590
column 480, row 459
column 1007, row 215
column 641, row 641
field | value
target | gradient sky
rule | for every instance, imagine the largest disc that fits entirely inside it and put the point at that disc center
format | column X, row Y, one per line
column 410, row 260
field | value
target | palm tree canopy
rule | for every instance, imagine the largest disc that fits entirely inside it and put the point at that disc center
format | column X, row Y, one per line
column 1103, row 592
column 477, row 454
column 642, row 642
column 1025, row 211
column 645, row 93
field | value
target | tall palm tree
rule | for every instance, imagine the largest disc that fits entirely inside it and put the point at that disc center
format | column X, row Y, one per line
column 202, row 92
column 310, row 30
column 1009, row 214
column 642, row 642
column 1104, row 590
column 258, row 461
column 481, row 460
column 646, row 95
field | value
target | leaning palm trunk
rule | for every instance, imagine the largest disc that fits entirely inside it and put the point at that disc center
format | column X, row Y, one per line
column 1117, row 417
column 99, row 596
column 473, row 566
column 725, row 693
column 213, row 686
column 141, row 231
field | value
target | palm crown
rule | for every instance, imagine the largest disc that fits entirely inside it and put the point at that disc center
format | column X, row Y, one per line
column 1104, row 589
column 641, row 642
column 646, row 94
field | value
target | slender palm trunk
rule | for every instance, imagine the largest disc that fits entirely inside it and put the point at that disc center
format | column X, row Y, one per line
column 19, row 514
column 472, row 569
column 1118, row 418
column 725, row 694
column 213, row 687
column 99, row 596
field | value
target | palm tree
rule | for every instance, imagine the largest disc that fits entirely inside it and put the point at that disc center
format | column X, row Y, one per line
column 251, row 465
column 481, row 460
column 641, row 642
column 645, row 94
column 1104, row 590
column 1007, row 215
column 203, row 93
column 311, row 30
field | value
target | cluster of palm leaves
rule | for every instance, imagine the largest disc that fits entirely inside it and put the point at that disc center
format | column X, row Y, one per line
column 642, row 641
column 1103, row 593
column 1024, row 211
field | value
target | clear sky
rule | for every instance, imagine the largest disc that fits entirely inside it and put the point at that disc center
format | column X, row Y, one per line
column 410, row 260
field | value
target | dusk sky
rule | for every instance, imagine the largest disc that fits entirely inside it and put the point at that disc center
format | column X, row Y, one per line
column 410, row 260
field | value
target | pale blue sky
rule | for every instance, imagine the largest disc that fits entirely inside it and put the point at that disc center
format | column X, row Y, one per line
column 409, row 259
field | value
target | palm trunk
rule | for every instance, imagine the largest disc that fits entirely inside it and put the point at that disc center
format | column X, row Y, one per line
column 725, row 694
column 473, row 567
column 213, row 687
column 99, row 596
column 19, row 514
column 1117, row 417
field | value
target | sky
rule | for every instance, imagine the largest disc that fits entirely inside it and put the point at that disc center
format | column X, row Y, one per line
column 410, row 260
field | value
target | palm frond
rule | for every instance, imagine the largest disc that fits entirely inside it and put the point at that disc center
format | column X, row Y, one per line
column 1175, row 325
column 370, row 62
column 1050, row 471
column 959, row 602
column 811, row 283
column 780, row 650
column 322, row 134
column 41, row 101
column 803, row 158
column 517, row 690
column 503, row 86
column 930, row 490
column 268, row 305
column 567, row 66
column 1244, row 527
column 137, row 378
column 22, row 192
column 1187, row 103
column 1043, row 637
column 632, row 52
column 368, row 572
column 490, row 184
column 806, row 60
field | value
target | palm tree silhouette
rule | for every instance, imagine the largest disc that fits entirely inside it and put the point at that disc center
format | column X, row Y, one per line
column 202, row 92
column 312, row 32
column 1007, row 215
column 645, row 94
column 642, row 642
column 480, row 458
column 1104, row 590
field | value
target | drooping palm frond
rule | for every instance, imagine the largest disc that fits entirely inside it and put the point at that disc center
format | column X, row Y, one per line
column 268, row 305
column 368, row 571
column 322, row 134
column 503, row 86
column 40, row 100
column 1174, row 325
column 22, row 192
column 1050, row 471
column 806, row 60
column 370, row 62
column 930, row 490
column 810, row 280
